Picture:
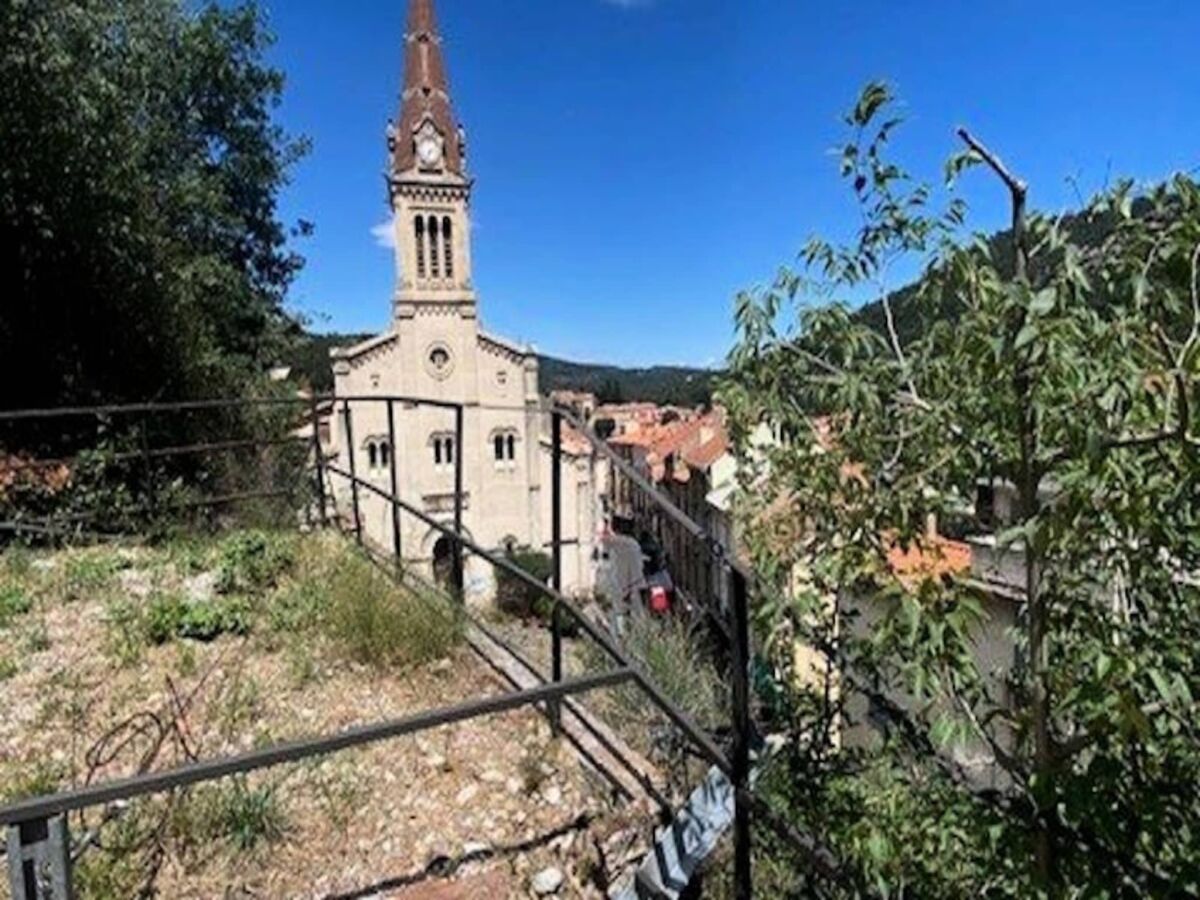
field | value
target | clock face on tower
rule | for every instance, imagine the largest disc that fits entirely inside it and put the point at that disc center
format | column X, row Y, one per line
column 429, row 151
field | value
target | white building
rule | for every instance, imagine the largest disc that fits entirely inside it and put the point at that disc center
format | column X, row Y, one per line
column 436, row 349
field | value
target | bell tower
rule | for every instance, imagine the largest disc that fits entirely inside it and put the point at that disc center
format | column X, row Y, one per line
column 428, row 186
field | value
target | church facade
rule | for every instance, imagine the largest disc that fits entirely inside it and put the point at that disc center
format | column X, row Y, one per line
column 436, row 349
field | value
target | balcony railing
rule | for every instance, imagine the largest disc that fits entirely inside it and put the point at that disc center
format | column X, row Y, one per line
column 291, row 466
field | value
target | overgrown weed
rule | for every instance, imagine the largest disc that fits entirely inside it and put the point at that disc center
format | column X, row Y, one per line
column 377, row 623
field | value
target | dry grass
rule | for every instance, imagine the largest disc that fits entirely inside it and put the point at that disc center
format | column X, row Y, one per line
column 322, row 643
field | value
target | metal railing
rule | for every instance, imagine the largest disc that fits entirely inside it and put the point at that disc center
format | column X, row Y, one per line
column 38, row 846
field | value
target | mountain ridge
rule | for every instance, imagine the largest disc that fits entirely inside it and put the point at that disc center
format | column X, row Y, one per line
column 663, row 384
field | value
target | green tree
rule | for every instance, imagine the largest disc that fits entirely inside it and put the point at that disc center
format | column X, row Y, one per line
column 141, row 251
column 1068, row 372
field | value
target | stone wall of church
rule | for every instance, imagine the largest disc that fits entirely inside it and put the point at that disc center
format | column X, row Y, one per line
column 506, row 454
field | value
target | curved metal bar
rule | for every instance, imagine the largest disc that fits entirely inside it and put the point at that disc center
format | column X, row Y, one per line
column 295, row 751
column 681, row 719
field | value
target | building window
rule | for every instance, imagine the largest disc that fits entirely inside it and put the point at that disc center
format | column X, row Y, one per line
column 379, row 453
column 434, row 262
column 419, row 226
column 504, row 449
column 443, row 451
column 448, row 247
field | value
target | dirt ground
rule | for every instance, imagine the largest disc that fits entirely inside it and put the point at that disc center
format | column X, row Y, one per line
column 496, row 794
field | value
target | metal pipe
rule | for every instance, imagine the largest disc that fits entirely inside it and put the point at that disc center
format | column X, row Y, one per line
column 706, row 745
column 391, row 420
column 459, row 576
column 354, row 480
column 740, row 677
column 604, row 741
column 155, row 453
column 15, row 415
column 318, row 460
column 556, row 499
column 296, row 751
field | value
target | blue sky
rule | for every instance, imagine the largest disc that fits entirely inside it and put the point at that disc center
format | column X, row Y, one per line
column 640, row 161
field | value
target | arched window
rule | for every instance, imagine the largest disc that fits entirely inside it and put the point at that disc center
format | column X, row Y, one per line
column 448, row 247
column 443, row 450
column 434, row 262
column 419, row 228
column 372, row 455
column 385, row 453
column 504, row 448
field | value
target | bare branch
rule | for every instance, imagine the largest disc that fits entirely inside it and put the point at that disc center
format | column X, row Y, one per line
column 1019, row 191
column 1014, row 184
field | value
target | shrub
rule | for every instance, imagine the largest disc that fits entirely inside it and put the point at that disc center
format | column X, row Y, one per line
column 239, row 706
column 674, row 658
column 36, row 779
column 8, row 668
column 249, row 816
column 251, row 561
column 189, row 553
column 379, row 624
column 516, row 596
column 163, row 615
column 13, row 602
column 297, row 608
column 126, row 631
column 116, row 869
column 169, row 616
column 207, row 620
column 233, row 811
column 18, row 562
column 519, row 598
column 90, row 573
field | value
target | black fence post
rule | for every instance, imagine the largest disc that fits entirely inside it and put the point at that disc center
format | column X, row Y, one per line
column 740, row 610
column 148, row 470
column 556, row 543
column 459, row 575
column 556, row 424
column 318, row 460
column 353, row 470
column 39, row 860
column 391, row 416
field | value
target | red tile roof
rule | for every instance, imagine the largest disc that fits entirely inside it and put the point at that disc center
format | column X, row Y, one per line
column 704, row 455
column 937, row 559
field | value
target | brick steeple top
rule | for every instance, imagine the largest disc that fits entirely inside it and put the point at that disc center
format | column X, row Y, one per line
column 426, row 98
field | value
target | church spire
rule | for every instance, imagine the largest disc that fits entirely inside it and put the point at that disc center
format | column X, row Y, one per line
column 427, row 138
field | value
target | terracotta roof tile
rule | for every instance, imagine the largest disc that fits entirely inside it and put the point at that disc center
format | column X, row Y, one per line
column 937, row 559
column 706, row 454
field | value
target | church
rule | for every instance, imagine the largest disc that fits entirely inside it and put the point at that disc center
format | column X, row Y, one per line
column 436, row 349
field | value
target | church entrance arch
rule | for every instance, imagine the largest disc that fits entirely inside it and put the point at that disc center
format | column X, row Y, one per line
column 443, row 561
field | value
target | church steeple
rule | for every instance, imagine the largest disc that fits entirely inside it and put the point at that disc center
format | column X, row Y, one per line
column 427, row 122
column 429, row 188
